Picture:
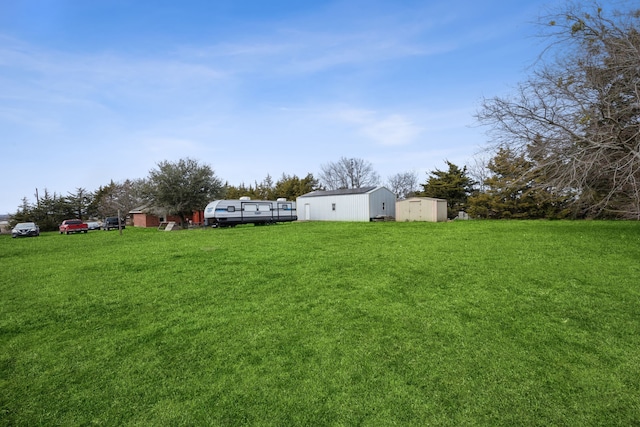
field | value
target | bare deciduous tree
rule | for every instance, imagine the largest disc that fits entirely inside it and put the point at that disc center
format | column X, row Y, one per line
column 403, row 184
column 479, row 172
column 577, row 117
column 117, row 196
column 348, row 173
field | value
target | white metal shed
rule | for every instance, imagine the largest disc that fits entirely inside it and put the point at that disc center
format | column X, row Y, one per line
column 421, row 209
column 352, row 204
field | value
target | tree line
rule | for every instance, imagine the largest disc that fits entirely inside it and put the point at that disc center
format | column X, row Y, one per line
column 182, row 187
column 565, row 144
column 187, row 185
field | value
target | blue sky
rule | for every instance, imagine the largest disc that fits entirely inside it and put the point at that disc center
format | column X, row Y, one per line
column 94, row 91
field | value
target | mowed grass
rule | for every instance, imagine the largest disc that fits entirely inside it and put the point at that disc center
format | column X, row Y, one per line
column 531, row 323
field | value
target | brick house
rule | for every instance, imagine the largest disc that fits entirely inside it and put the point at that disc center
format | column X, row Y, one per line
column 146, row 216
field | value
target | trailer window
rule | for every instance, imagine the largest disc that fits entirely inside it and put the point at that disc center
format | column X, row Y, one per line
column 231, row 208
column 264, row 208
column 250, row 207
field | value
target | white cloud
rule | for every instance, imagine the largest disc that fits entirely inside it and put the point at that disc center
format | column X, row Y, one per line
column 392, row 130
column 52, row 75
column 388, row 130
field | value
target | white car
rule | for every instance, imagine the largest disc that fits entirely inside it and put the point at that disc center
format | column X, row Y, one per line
column 93, row 225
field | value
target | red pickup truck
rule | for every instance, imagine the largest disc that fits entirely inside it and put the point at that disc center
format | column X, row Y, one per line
column 73, row 226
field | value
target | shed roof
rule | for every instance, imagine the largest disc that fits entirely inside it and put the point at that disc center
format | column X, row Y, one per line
column 422, row 198
column 341, row 192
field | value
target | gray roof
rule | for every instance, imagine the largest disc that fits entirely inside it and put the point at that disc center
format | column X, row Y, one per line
column 341, row 192
column 146, row 209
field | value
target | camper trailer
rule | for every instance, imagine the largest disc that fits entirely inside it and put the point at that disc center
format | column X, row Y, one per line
column 229, row 213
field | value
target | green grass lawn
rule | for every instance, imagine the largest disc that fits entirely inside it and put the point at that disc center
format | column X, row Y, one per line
column 464, row 323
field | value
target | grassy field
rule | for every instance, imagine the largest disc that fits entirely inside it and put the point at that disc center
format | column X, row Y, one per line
column 530, row 323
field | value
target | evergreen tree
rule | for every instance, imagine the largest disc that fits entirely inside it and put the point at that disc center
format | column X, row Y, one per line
column 290, row 187
column 513, row 191
column 265, row 189
column 453, row 185
column 80, row 202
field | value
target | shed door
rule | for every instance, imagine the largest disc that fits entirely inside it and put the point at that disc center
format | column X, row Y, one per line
column 307, row 212
column 415, row 211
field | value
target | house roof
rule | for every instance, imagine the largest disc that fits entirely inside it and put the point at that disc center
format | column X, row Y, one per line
column 145, row 209
column 341, row 192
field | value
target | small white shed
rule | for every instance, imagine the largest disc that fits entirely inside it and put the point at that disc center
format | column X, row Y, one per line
column 421, row 209
column 351, row 204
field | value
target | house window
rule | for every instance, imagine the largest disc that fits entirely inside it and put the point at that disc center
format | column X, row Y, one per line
column 333, row 206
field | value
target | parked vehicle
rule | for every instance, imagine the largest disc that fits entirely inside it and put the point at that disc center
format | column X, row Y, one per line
column 228, row 213
column 111, row 222
column 93, row 225
column 69, row 226
column 25, row 229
